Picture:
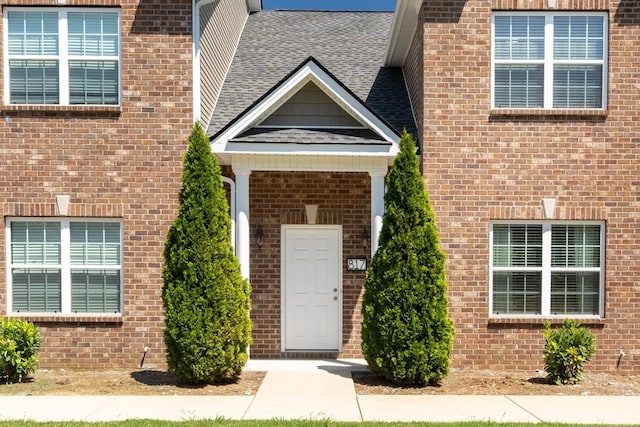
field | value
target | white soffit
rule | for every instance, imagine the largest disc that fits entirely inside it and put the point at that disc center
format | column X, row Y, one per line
column 309, row 72
column 405, row 22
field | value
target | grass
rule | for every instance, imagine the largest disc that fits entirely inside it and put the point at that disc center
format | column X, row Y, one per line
column 278, row 423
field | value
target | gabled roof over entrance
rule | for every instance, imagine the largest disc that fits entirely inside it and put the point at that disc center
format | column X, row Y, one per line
column 309, row 108
column 311, row 83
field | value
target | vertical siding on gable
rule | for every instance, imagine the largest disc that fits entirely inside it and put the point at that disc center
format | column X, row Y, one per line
column 313, row 108
column 221, row 24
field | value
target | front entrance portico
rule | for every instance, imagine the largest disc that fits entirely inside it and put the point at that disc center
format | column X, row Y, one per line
column 376, row 168
column 273, row 200
column 307, row 127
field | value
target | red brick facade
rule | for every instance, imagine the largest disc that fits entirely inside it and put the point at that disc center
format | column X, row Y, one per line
column 115, row 162
column 479, row 166
column 482, row 165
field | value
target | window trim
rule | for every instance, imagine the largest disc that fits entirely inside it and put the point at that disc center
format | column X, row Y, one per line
column 549, row 61
column 63, row 56
column 547, row 269
column 65, row 266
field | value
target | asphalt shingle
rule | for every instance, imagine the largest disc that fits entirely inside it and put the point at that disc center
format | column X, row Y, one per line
column 350, row 45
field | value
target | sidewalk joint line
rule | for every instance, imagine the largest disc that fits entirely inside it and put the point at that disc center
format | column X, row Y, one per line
column 524, row 409
column 356, row 396
column 246, row 410
column 100, row 408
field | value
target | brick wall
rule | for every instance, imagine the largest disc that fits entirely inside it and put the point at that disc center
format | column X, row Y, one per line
column 115, row 162
column 481, row 166
column 279, row 198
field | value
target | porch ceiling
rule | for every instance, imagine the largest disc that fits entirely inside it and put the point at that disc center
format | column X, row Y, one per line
column 304, row 161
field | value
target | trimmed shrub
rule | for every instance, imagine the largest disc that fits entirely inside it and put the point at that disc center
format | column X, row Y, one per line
column 566, row 349
column 205, row 298
column 406, row 331
column 19, row 345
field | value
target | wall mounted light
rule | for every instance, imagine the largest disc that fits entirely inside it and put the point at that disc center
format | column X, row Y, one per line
column 259, row 237
column 551, row 4
column 365, row 236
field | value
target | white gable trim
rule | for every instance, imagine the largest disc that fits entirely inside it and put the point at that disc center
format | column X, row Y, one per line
column 310, row 72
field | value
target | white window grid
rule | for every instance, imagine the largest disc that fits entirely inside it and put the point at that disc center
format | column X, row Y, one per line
column 549, row 61
column 65, row 265
column 547, row 269
column 63, row 56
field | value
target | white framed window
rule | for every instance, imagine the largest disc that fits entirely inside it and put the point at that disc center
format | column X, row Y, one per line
column 547, row 269
column 66, row 56
column 64, row 266
column 549, row 60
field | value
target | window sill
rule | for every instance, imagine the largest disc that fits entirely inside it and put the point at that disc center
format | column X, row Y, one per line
column 541, row 114
column 115, row 318
column 64, row 109
column 554, row 320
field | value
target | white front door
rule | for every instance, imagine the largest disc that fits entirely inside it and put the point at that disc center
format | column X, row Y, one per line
column 311, row 288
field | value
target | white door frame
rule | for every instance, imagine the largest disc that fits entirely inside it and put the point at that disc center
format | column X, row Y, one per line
column 283, row 229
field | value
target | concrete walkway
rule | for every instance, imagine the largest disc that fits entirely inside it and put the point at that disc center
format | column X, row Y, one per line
column 321, row 390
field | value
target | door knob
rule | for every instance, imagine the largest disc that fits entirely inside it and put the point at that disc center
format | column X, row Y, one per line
column 335, row 289
column 335, row 298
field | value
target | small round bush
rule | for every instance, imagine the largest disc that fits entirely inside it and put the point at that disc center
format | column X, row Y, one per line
column 566, row 350
column 19, row 345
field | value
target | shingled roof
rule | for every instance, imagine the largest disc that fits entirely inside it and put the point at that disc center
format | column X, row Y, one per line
column 350, row 45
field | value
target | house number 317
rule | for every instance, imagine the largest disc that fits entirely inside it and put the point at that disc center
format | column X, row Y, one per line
column 356, row 264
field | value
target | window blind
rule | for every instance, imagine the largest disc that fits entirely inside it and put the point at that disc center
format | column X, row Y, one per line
column 89, row 69
column 548, row 268
column 532, row 72
column 39, row 266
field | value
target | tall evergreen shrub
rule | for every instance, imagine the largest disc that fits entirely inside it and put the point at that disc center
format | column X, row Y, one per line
column 406, row 331
column 206, row 300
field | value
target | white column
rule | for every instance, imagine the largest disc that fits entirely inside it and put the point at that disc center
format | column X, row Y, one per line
column 232, row 209
column 377, row 205
column 243, row 232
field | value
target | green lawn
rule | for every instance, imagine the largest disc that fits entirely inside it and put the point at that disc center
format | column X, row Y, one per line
column 278, row 423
